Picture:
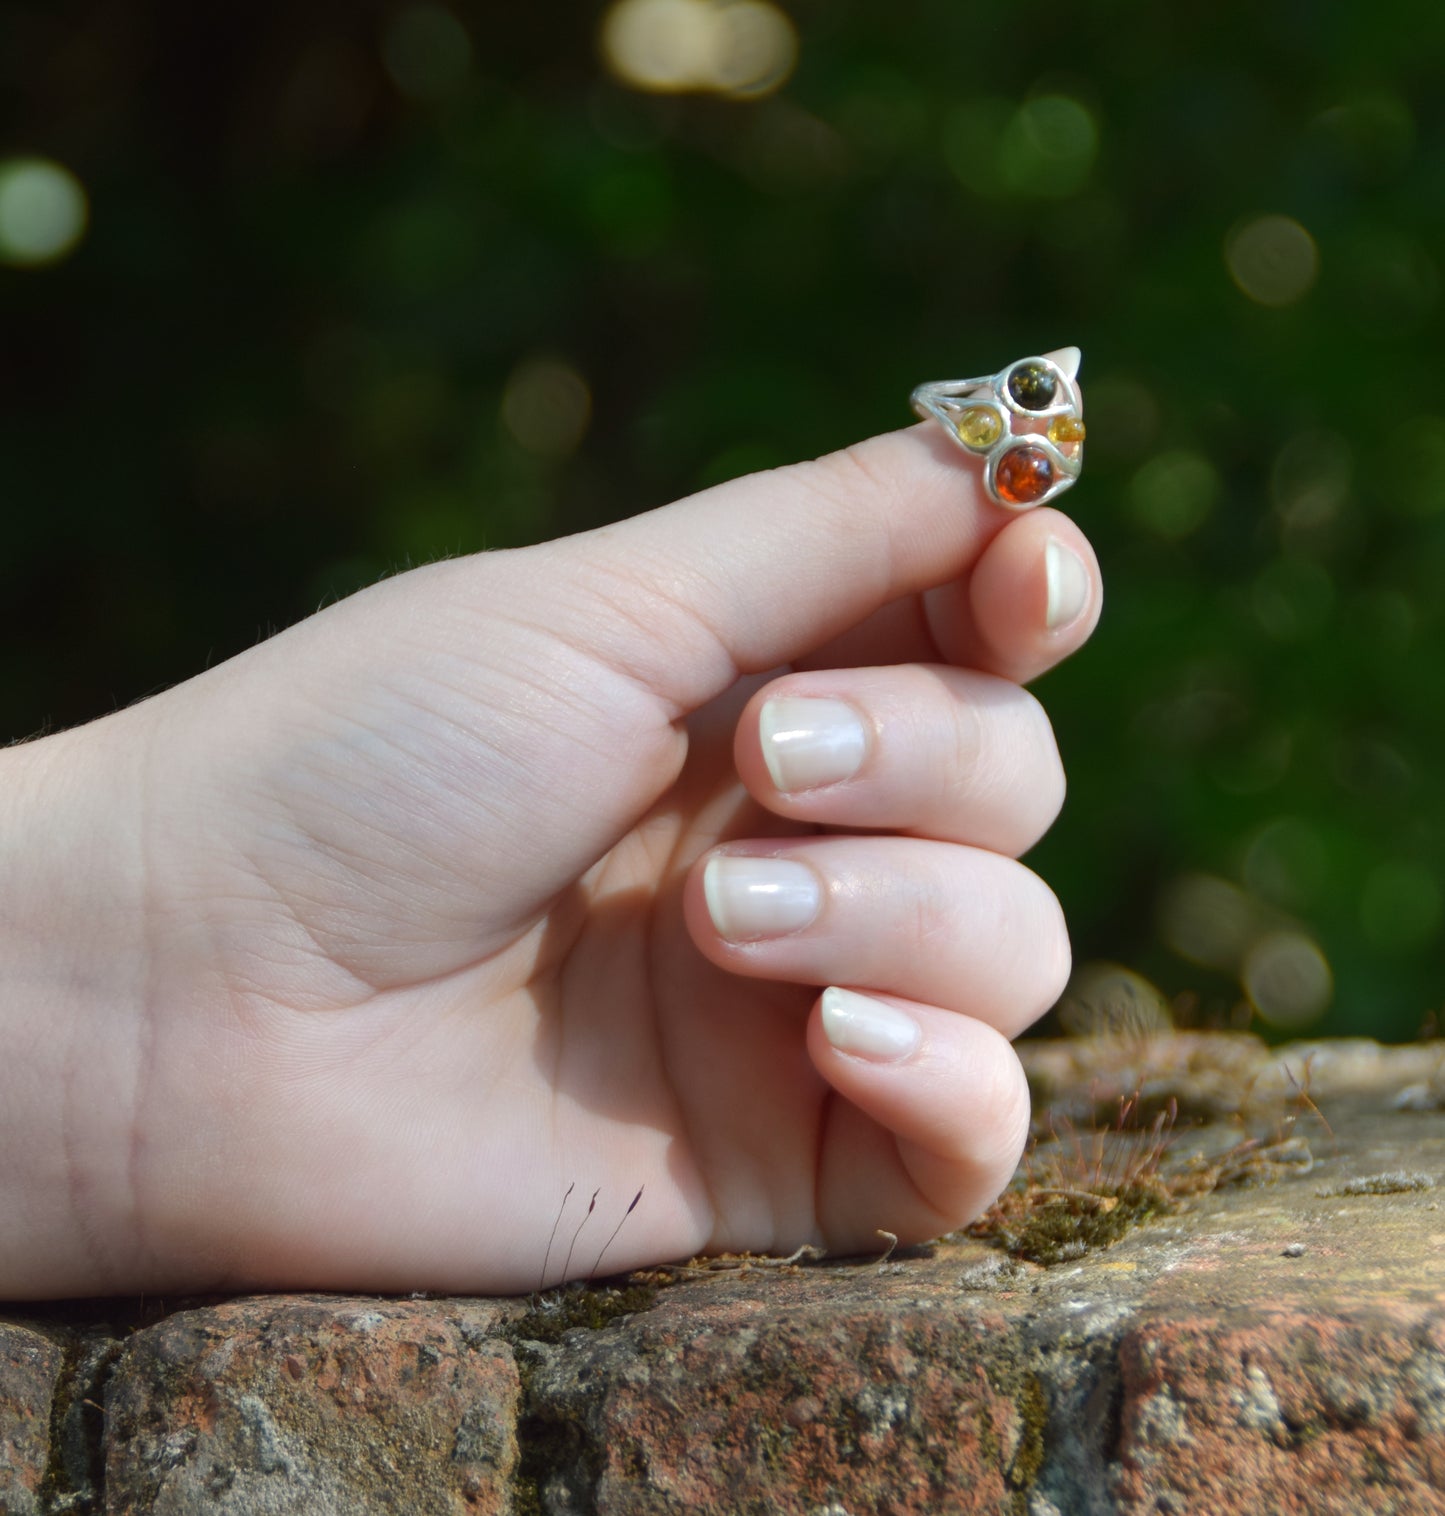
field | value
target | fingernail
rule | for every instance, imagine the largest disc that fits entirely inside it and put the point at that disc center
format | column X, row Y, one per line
column 750, row 898
column 1068, row 582
column 868, row 1028
column 1068, row 359
column 809, row 742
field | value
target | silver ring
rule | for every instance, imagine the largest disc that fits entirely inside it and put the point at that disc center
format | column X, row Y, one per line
column 1025, row 422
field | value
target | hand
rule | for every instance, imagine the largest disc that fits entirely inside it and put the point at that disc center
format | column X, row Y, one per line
column 346, row 963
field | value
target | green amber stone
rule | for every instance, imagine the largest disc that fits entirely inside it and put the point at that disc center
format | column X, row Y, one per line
column 980, row 426
column 1033, row 386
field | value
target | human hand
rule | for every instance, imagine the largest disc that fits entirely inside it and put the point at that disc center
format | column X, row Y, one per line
column 340, row 964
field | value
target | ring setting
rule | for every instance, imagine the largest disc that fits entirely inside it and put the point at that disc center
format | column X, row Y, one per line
column 1025, row 422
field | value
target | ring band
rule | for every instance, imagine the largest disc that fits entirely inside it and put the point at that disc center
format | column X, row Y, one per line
column 1025, row 422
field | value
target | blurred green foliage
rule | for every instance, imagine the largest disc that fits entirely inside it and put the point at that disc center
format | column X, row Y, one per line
column 347, row 265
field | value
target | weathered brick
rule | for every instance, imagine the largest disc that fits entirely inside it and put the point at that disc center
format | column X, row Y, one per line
column 1305, row 1414
column 778, row 1398
column 1274, row 1346
column 315, row 1405
column 31, row 1365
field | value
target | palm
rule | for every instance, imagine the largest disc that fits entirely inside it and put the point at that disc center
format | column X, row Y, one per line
column 631, row 1064
column 588, row 1048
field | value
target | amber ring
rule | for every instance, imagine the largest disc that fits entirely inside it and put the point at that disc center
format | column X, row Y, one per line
column 1025, row 422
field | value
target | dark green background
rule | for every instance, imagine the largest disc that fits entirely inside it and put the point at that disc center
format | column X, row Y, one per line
column 273, row 370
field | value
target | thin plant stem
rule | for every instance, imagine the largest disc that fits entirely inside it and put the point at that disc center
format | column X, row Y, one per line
column 591, row 1206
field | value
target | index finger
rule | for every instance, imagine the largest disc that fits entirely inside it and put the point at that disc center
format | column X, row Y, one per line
column 764, row 570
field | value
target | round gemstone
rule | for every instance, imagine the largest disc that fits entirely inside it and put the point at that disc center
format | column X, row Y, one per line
column 980, row 426
column 1033, row 386
column 1023, row 475
column 1066, row 429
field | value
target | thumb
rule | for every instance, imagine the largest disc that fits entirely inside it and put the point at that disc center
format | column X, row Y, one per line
column 757, row 572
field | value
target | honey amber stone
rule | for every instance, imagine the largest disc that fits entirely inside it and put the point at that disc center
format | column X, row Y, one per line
column 980, row 427
column 1033, row 386
column 1023, row 475
column 1066, row 429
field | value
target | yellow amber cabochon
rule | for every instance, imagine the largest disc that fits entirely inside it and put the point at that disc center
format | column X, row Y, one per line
column 979, row 426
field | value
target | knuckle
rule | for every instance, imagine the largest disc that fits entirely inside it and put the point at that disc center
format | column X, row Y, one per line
column 1000, row 1137
column 1012, row 1110
column 1050, row 784
column 993, row 765
column 1035, row 772
column 962, row 745
column 851, row 471
column 1051, row 960
column 851, row 483
column 933, row 911
column 1036, row 718
column 1031, row 963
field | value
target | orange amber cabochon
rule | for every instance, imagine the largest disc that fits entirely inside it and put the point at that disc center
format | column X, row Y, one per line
column 1023, row 475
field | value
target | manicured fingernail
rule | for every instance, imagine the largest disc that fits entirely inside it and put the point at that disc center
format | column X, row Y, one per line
column 811, row 742
column 1068, row 359
column 1068, row 583
column 751, row 898
column 868, row 1028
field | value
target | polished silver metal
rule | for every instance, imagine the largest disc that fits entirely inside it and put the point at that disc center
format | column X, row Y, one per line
column 946, row 400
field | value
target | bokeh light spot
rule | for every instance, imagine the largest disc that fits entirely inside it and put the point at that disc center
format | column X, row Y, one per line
column 43, row 211
column 1109, row 1000
column 1287, row 862
column 1048, row 147
column 1207, row 920
column 427, row 52
column 659, row 45
column 741, row 48
column 756, row 49
column 1370, row 765
column 1288, row 979
column 546, row 407
column 1401, row 906
column 1273, row 259
column 1310, row 481
column 1174, row 493
column 1293, row 598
